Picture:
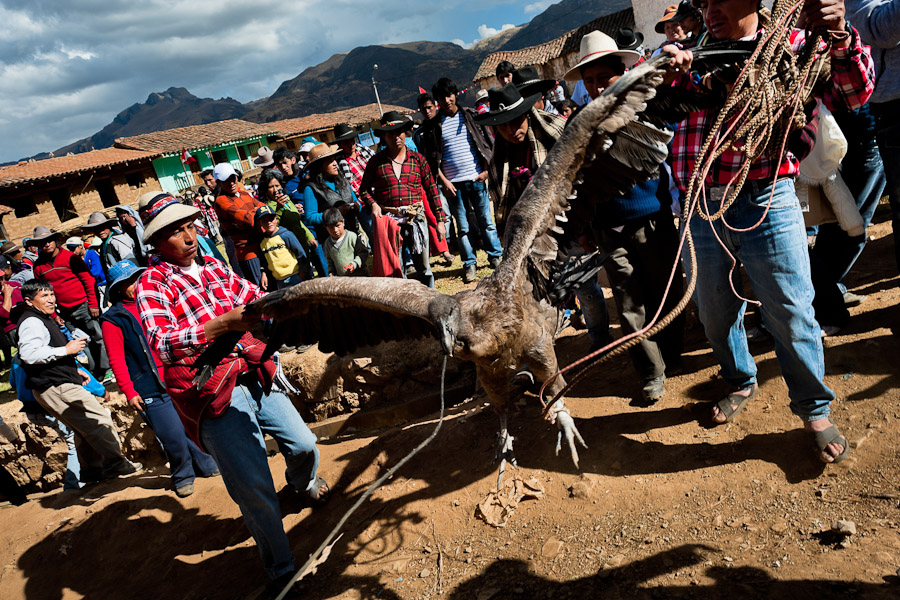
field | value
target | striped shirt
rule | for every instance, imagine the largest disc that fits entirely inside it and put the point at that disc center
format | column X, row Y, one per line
column 460, row 161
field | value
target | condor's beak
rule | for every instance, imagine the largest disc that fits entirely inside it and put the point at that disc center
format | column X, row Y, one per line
column 448, row 340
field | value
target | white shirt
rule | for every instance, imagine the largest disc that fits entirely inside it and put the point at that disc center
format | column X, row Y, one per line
column 34, row 343
column 460, row 161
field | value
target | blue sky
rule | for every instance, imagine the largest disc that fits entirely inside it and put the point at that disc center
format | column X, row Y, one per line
column 69, row 67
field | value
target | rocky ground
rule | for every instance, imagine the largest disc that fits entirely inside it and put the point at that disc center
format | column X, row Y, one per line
column 663, row 505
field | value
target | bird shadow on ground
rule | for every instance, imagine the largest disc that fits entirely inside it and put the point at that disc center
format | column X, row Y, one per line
column 509, row 579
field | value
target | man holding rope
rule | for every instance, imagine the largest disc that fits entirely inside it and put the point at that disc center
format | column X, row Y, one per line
column 763, row 229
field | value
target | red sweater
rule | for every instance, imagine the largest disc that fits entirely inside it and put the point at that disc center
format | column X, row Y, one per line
column 70, row 277
column 115, row 349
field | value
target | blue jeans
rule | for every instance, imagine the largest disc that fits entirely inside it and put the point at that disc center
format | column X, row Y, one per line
column 887, row 131
column 185, row 458
column 474, row 195
column 235, row 441
column 775, row 258
column 835, row 252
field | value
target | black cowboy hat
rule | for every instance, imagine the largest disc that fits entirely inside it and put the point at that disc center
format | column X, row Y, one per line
column 529, row 82
column 629, row 39
column 506, row 104
column 392, row 121
column 343, row 131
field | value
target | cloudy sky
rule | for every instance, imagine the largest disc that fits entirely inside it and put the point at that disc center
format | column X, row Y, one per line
column 69, row 66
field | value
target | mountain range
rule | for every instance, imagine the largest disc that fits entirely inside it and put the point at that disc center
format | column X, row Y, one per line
column 345, row 80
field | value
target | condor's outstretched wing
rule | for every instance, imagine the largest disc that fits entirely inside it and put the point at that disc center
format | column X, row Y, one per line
column 603, row 134
column 341, row 314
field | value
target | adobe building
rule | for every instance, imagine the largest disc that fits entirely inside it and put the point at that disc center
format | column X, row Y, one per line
column 61, row 192
column 233, row 141
column 554, row 58
column 290, row 132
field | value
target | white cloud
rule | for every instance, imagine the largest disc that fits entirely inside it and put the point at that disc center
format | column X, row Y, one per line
column 538, row 7
column 68, row 68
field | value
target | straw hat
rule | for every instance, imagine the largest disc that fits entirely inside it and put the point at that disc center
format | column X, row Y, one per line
column 159, row 210
column 319, row 152
column 597, row 45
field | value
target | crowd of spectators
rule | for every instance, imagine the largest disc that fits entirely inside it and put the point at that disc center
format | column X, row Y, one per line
column 135, row 296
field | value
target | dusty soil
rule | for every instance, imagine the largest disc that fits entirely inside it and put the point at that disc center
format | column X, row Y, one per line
column 663, row 506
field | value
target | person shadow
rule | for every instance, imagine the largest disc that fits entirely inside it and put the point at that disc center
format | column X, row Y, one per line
column 146, row 548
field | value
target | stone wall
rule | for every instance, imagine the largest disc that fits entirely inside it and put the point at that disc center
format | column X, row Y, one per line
column 83, row 194
column 35, row 454
column 329, row 385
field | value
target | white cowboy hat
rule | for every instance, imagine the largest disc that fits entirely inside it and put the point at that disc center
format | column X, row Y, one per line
column 597, row 45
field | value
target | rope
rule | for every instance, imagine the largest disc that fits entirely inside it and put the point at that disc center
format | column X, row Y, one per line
column 766, row 101
column 316, row 557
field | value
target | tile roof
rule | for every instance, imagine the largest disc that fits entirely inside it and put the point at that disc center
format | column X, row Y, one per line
column 64, row 165
column 563, row 45
column 352, row 116
column 171, row 141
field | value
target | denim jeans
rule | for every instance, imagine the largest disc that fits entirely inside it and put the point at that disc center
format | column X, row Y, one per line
column 185, row 458
column 775, row 258
column 835, row 252
column 474, row 195
column 887, row 131
column 235, row 441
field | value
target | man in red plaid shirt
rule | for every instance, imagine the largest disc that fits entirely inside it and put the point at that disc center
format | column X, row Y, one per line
column 395, row 182
column 764, row 229
column 185, row 302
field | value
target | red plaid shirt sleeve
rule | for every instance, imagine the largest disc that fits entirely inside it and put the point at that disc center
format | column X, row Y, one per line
column 853, row 81
column 380, row 185
column 174, row 306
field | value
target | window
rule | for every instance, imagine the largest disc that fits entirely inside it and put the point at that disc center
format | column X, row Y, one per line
column 107, row 193
column 220, row 156
column 25, row 207
column 135, row 180
column 62, row 202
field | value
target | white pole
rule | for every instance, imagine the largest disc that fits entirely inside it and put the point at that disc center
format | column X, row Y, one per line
column 375, row 87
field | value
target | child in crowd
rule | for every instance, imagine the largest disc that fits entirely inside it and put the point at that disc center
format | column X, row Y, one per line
column 345, row 251
column 286, row 261
column 138, row 373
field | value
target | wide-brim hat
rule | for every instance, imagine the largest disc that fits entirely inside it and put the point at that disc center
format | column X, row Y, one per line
column 98, row 220
column 264, row 157
column 392, row 121
column 629, row 39
column 343, row 131
column 120, row 273
column 506, row 104
column 8, row 247
column 597, row 45
column 159, row 210
column 320, row 152
column 529, row 81
column 40, row 234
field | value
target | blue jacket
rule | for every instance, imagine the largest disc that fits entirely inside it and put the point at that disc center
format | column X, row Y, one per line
column 95, row 264
column 141, row 366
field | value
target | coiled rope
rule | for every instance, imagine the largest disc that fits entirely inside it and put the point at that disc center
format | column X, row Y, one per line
column 751, row 121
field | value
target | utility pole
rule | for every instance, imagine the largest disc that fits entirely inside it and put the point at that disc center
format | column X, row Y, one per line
column 375, row 87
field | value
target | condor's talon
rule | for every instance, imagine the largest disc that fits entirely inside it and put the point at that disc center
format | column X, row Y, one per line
column 567, row 430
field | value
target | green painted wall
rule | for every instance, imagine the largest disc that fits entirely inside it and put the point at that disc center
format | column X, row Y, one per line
column 171, row 173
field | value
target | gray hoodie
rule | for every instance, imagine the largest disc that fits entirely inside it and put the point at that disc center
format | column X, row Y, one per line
column 878, row 24
column 136, row 234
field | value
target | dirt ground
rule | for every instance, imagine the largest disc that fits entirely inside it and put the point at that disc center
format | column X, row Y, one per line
column 663, row 506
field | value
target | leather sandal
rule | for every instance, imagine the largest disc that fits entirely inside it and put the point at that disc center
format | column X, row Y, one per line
column 738, row 401
column 831, row 436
